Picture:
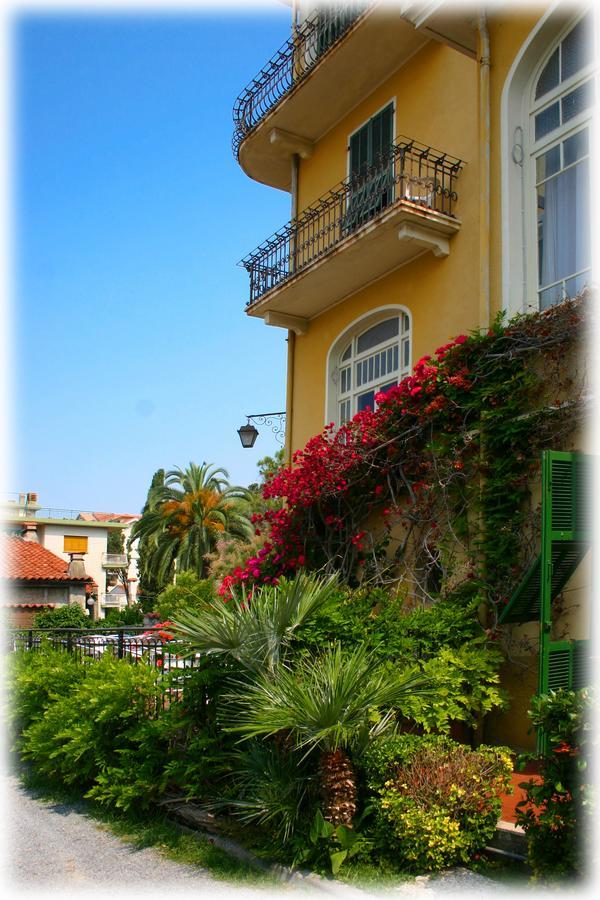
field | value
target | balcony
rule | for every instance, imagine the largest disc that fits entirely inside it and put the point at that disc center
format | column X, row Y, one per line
column 362, row 229
column 314, row 80
column 114, row 561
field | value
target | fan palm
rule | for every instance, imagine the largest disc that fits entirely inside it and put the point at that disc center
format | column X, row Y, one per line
column 256, row 632
column 335, row 704
column 187, row 515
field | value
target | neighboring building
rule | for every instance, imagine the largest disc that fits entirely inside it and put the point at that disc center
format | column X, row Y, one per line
column 66, row 532
column 438, row 161
column 33, row 579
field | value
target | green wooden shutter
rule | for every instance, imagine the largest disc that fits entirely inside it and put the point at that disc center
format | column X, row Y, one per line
column 566, row 538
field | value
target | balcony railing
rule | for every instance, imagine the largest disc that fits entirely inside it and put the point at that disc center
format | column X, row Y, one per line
column 421, row 178
column 292, row 62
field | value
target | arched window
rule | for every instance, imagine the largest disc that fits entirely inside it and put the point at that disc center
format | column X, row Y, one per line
column 372, row 356
column 547, row 105
column 563, row 96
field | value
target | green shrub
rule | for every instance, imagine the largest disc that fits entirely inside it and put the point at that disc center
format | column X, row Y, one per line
column 36, row 680
column 121, row 618
column 188, row 593
column 68, row 616
column 85, row 730
column 556, row 813
column 441, row 804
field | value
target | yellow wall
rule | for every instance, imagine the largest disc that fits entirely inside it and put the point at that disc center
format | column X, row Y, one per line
column 435, row 96
column 508, row 32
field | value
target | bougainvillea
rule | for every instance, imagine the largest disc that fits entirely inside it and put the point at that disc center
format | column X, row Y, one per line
column 432, row 485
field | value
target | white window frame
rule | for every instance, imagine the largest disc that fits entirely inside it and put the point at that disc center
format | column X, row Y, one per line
column 552, row 139
column 519, row 211
column 339, row 346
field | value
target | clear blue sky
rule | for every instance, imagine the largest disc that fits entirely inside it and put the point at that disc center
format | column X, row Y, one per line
column 131, row 347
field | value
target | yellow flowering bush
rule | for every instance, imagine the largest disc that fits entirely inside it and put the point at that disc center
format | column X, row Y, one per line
column 441, row 805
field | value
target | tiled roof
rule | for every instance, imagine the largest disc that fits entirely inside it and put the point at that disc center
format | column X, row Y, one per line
column 108, row 517
column 28, row 561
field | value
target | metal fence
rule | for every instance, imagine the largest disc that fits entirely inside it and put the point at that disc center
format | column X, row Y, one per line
column 133, row 644
column 291, row 63
column 407, row 172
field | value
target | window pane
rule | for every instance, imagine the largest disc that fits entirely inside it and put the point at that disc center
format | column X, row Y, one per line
column 366, row 401
column 347, row 353
column 578, row 100
column 406, row 352
column 576, row 48
column 564, row 224
column 576, row 147
column 547, row 121
column 384, row 331
column 405, row 322
column 548, row 163
column 388, row 387
column 550, row 296
column 344, row 411
column 549, row 77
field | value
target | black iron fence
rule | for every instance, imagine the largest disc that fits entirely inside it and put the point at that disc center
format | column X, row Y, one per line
column 292, row 62
column 408, row 172
column 133, row 644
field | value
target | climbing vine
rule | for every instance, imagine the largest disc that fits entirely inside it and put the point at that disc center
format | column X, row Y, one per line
column 431, row 491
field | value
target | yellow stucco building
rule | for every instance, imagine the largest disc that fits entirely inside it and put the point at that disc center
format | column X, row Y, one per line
column 438, row 162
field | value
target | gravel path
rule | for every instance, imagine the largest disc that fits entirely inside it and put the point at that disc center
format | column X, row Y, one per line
column 53, row 849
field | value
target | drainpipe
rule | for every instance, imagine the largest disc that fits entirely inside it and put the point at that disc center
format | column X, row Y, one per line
column 291, row 338
column 484, row 170
column 483, row 55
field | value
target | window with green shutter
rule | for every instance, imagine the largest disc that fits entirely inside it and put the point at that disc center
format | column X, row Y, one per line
column 370, row 169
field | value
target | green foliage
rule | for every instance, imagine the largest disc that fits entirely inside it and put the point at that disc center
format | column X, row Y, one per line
column 36, row 680
column 115, row 541
column 465, row 686
column 68, row 616
column 83, row 731
column 557, row 812
column 150, row 585
column 339, row 700
column 121, row 618
column 380, row 620
column 255, row 633
column 186, row 516
column 336, row 842
column 268, row 786
column 189, row 593
column 441, row 805
column 446, row 640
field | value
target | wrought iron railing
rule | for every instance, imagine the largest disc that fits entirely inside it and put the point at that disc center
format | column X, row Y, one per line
column 409, row 173
column 292, row 62
column 134, row 644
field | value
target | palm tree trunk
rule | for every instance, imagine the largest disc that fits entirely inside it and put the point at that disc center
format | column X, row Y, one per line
column 338, row 788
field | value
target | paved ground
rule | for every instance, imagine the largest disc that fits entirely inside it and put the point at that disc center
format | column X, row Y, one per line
column 53, row 849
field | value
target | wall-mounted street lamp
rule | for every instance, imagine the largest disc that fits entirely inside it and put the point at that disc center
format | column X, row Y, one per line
column 275, row 421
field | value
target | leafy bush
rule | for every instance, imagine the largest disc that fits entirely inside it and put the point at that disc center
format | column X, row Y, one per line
column 442, row 802
column 86, row 729
column 121, row 618
column 188, row 593
column 68, row 616
column 556, row 813
column 36, row 680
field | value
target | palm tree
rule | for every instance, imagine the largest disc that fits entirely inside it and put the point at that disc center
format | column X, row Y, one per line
column 258, row 631
column 335, row 704
column 186, row 516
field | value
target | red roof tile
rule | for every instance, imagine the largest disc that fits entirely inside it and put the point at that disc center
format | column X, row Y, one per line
column 29, row 561
column 122, row 518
